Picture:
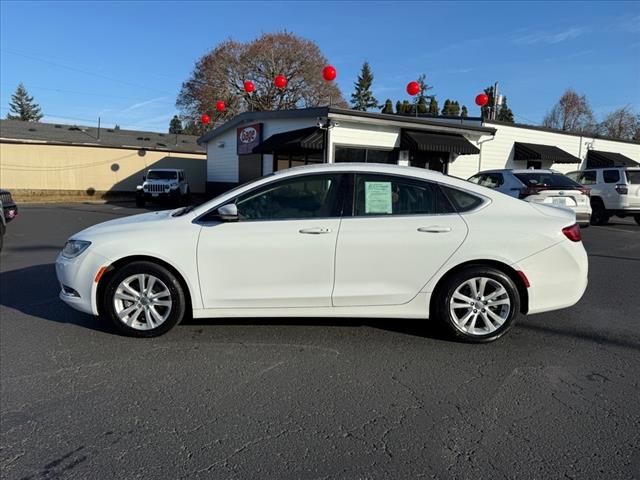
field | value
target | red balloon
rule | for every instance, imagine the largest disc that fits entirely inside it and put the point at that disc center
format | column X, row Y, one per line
column 280, row 81
column 206, row 119
column 482, row 99
column 329, row 73
column 220, row 106
column 413, row 88
column 249, row 86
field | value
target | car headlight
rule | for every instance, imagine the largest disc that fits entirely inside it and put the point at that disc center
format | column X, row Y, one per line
column 73, row 248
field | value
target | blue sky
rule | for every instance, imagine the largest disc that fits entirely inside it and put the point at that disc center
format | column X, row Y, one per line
column 125, row 61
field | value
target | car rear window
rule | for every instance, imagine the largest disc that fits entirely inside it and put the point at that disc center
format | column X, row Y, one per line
column 551, row 180
column 633, row 177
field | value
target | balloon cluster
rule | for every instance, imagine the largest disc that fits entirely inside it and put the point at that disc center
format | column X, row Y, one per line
column 329, row 73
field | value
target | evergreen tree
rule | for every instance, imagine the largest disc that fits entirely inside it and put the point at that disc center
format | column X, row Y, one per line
column 406, row 107
column 422, row 105
column 398, row 106
column 446, row 109
column 504, row 113
column 455, row 109
column 22, row 107
column 464, row 113
column 362, row 98
column 388, row 106
column 433, row 107
column 175, row 126
column 116, row 127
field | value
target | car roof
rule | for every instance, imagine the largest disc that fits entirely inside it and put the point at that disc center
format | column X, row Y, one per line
column 519, row 170
column 166, row 169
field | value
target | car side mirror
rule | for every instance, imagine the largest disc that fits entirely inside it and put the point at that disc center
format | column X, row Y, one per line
column 228, row 213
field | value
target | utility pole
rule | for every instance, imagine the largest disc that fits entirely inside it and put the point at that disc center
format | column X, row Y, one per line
column 98, row 128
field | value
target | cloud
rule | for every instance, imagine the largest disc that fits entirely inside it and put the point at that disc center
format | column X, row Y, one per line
column 550, row 37
column 136, row 106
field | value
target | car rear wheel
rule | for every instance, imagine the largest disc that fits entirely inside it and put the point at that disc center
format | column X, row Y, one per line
column 478, row 304
column 144, row 299
column 599, row 214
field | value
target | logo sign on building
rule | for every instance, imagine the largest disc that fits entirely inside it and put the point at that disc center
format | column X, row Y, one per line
column 248, row 138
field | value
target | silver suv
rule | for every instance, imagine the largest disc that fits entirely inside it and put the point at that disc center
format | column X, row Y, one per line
column 163, row 183
column 614, row 191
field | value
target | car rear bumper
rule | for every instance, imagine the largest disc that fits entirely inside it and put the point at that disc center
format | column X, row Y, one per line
column 558, row 276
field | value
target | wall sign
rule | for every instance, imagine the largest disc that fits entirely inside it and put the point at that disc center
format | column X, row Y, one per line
column 248, row 138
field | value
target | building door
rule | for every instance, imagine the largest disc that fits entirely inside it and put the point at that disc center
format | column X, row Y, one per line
column 249, row 167
column 438, row 161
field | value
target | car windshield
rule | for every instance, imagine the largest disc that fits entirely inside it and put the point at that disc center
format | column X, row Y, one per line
column 633, row 177
column 161, row 175
column 546, row 179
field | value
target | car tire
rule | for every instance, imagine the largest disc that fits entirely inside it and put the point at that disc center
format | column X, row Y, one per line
column 637, row 219
column 599, row 215
column 140, row 202
column 138, row 312
column 495, row 307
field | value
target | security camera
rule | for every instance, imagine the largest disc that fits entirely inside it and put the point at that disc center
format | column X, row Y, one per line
column 320, row 124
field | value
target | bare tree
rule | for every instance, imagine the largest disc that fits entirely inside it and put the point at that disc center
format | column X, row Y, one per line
column 572, row 113
column 220, row 75
column 622, row 123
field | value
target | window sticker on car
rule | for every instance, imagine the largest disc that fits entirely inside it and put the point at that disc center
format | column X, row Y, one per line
column 377, row 197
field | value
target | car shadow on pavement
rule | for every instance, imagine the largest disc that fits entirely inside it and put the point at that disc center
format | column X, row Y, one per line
column 34, row 291
column 582, row 335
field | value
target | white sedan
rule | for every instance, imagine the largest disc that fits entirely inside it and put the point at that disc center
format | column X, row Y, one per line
column 337, row 240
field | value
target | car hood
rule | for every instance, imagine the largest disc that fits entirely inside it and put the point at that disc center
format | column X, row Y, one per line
column 133, row 222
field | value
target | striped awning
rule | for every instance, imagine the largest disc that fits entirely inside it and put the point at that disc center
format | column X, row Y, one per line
column 294, row 141
column 534, row 151
column 599, row 159
column 436, row 142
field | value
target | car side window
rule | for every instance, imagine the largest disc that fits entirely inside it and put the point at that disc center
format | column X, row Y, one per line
column 390, row 195
column 477, row 179
column 611, row 176
column 573, row 176
column 492, row 180
column 588, row 178
column 309, row 196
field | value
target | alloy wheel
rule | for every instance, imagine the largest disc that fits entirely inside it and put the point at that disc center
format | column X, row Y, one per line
column 142, row 301
column 479, row 306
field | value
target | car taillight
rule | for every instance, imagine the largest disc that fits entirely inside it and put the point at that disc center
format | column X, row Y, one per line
column 585, row 191
column 622, row 189
column 573, row 232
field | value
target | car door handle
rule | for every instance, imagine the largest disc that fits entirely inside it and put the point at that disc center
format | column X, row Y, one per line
column 315, row 230
column 434, row 229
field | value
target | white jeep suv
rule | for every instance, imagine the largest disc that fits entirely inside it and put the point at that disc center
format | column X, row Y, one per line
column 614, row 191
column 165, row 183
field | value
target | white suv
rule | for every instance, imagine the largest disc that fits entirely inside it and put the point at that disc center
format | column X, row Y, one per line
column 547, row 187
column 614, row 191
column 159, row 183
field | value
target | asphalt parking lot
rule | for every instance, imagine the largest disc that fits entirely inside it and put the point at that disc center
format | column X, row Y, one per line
column 309, row 399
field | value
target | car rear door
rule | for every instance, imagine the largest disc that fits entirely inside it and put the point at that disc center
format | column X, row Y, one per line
column 633, row 181
column 280, row 253
column 401, row 232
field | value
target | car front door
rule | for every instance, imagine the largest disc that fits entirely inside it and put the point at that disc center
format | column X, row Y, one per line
column 280, row 253
column 401, row 232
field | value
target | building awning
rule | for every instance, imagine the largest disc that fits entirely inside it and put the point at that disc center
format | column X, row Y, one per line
column 436, row 142
column 533, row 151
column 599, row 159
column 295, row 141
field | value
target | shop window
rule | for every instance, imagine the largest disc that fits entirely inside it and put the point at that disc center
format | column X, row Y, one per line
column 369, row 155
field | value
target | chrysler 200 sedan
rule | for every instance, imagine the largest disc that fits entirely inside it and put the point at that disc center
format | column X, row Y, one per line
column 337, row 240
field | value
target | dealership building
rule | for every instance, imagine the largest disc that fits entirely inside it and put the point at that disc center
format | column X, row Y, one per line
column 254, row 144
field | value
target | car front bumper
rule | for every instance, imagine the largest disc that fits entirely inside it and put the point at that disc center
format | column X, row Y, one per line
column 77, row 280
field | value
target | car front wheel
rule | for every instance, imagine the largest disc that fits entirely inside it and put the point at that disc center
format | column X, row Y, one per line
column 144, row 299
column 478, row 304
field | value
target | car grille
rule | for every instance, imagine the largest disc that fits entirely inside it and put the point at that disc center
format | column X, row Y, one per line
column 5, row 197
column 154, row 188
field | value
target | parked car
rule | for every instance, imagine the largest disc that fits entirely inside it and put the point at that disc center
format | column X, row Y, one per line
column 165, row 183
column 547, row 187
column 337, row 240
column 614, row 191
column 8, row 211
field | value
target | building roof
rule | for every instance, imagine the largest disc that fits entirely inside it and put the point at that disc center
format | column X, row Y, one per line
column 17, row 131
column 556, row 130
column 446, row 124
